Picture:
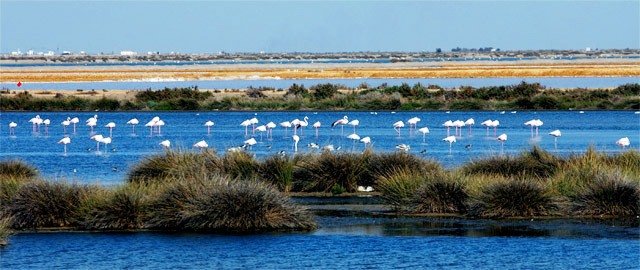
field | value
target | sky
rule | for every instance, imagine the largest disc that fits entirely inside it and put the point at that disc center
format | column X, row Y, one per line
column 315, row 26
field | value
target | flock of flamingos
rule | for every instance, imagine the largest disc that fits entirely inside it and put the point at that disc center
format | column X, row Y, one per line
column 155, row 126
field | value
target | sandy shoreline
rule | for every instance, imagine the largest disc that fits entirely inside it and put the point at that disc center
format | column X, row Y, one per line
column 471, row 69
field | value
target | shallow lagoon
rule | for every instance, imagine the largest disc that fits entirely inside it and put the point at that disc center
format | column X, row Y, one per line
column 83, row 163
column 347, row 242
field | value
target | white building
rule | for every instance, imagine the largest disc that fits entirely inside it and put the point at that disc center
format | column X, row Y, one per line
column 128, row 53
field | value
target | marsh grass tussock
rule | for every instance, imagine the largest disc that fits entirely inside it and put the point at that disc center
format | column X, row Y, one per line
column 5, row 231
column 399, row 188
column 610, row 194
column 321, row 173
column 173, row 164
column 514, row 198
column 219, row 204
column 17, row 169
column 442, row 194
column 278, row 171
column 386, row 163
column 119, row 209
column 40, row 204
column 239, row 164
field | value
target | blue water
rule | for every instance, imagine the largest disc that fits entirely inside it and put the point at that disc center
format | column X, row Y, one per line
column 552, row 82
column 83, row 163
column 377, row 244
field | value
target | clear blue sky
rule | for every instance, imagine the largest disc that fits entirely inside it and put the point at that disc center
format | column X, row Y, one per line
column 287, row 26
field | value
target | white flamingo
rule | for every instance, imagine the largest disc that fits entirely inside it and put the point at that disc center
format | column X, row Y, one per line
column 450, row 140
column 65, row 124
column 317, row 125
column 110, row 125
column 502, row 139
column 296, row 139
column 74, row 121
column 470, row 122
column 166, row 144
column 448, row 124
column 623, row 142
column 201, row 144
column 413, row 122
column 12, row 128
column 246, row 124
column 397, row 126
column 424, row 131
column 133, row 122
column 366, row 141
column 341, row 122
column 250, row 142
column 106, row 141
column 354, row 123
column 64, row 142
column 355, row 138
column 98, row 138
column 286, row 125
column 270, row 126
column 209, row 124
column 487, row 123
column 556, row 133
column 46, row 123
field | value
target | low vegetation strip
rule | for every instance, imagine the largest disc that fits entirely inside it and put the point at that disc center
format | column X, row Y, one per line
column 523, row 96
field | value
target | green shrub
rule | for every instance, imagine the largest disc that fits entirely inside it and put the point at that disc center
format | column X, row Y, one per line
column 441, row 195
column 122, row 209
column 321, row 173
column 278, row 170
column 398, row 189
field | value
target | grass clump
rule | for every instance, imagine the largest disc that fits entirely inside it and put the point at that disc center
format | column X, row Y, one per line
column 399, row 188
column 537, row 163
column 218, row 204
column 442, row 195
column 46, row 204
column 611, row 194
column 239, row 165
column 17, row 169
column 329, row 171
column 278, row 170
column 173, row 164
column 120, row 209
column 387, row 163
column 513, row 198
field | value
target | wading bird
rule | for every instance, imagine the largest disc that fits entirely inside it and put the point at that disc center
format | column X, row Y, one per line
column 403, row 147
column 64, row 142
column 397, row 126
column 296, row 139
column 502, row 139
column 166, row 144
column 341, row 122
column 448, row 124
column 354, row 123
column 209, row 124
column 110, row 125
column 133, row 122
column 74, row 121
column 12, row 128
column 556, row 133
column 98, row 138
column 450, row 140
column 201, row 144
column 317, row 125
column 470, row 122
column 623, row 142
column 65, row 124
column 424, row 131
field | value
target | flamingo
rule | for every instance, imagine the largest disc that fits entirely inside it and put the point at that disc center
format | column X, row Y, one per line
column 209, row 124
column 448, row 124
column 413, row 122
column 133, row 122
column 354, row 123
column 403, row 147
column 313, row 145
column 397, row 126
column 253, row 121
column 341, row 122
column 12, row 128
column 246, row 124
column 98, row 138
column 65, row 124
column 450, row 140
column 46, row 123
column 296, row 139
column 424, row 131
column 110, row 125
column 106, row 141
column 166, row 144
column 35, row 122
column 270, row 126
column 556, row 133
column 458, row 124
column 328, row 148
column 160, row 124
column 487, row 123
column 502, row 138
column 537, row 123
column 303, row 124
column 261, row 128
column 286, row 125
column 317, row 125
column 530, row 124
column 470, row 122
column 250, row 142
column 92, row 122
column 151, row 124
column 201, row 144
column 495, row 124
column 74, row 121
column 354, row 137
column 366, row 141
column 623, row 142
column 64, row 142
